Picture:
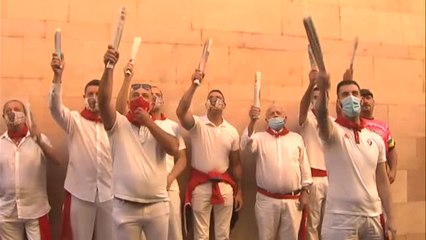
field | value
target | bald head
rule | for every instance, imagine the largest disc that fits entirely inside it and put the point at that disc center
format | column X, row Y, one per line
column 275, row 111
column 14, row 104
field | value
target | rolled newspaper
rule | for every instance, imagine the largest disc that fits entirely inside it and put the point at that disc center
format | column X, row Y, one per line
column 204, row 58
column 135, row 49
column 257, row 83
column 314, row 42
column 118, row 32
column 311, row 58
column 354, row 53
column 58, row 49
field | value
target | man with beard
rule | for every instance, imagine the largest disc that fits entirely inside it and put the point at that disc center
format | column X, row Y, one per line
column 283, row 175
column 356, row 166
column 138, row 147
column 215, row 154
column 380, row 128
column 88, row 200
column 23, row 195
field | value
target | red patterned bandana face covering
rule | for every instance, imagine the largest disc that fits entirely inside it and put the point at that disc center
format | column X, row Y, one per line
column 139, row 102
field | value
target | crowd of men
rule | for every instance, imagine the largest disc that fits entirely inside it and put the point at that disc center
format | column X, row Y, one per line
column 329, row 182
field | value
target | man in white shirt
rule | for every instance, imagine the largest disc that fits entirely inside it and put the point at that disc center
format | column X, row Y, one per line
column 23, row 195
column 283, row 175
column 171, row 127
column 215, row 154
column 88, row 201
column 138, row 147
column 355, row 159
column 309, row 132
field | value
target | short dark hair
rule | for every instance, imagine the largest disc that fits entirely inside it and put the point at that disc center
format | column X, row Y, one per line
column 218, row 91
column 344, row 83
column 366, row 92
column 94, row 82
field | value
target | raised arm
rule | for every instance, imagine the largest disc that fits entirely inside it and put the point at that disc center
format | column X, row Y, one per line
column 237, row 173
column 108, row 113
column 60, row 113
column 246, row 140
column 185, row 116
column 306, row 99
column 324, row 122
column 123, row 94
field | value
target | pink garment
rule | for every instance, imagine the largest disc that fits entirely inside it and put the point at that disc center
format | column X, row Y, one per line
column 380, row 128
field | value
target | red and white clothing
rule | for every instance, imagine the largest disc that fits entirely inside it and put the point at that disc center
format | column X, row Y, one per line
column 139, row 181
column 211, row 147
column 317, row 198
column 282, row 168
column 352, row 157
column 89, row 172
column 23, row 196
column 175, row 221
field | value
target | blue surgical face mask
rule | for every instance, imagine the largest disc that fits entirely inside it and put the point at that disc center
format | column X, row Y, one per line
column 276, row 123
column 351, row 106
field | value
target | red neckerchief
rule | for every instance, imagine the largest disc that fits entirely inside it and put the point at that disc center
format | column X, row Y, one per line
column 283, row 132
column 162, row 117
column 91, row 116
column 351, row 125
column 19, row 134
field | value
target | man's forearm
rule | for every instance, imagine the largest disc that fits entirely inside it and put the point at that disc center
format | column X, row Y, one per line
column 185, row 101
column 167, row 141
column 304, row 104
column 323, row 119
column 105, row 89
column 180, row 164
column 120, row 104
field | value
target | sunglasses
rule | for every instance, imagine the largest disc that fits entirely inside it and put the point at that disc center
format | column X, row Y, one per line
column 145, row 86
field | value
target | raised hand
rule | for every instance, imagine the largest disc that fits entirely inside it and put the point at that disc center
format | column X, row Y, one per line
column 111, row 56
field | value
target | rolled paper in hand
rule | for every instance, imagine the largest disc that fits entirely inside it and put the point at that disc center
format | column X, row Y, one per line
column 204, row 58
column 135, row 49
column 354, row 53
column 257, row 83
column 118, row 32
column 58, row 50
column 314, row 42
column 29, row 116
column 311, row 58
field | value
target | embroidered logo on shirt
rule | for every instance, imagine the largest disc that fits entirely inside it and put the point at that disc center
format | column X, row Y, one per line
column 369, row 142
column 346, row 136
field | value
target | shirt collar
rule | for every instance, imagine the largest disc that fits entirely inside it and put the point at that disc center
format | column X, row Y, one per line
column 206, row 121
column 6, row 136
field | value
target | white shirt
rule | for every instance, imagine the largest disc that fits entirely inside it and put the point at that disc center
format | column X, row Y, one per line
column 90, row 165
column 22, row 179
column 314, row 148
column 351, row 169
column 210, row 149
column 139, row 163
column 172, row 128
column 282, row 165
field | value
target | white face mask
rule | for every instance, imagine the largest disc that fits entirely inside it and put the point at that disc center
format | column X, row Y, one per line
column 219, row 104
column 15, row 118
column 91, row 104
column 158, row 102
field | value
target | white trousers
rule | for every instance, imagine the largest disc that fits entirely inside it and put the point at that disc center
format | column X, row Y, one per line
column 134, row 221
column 90, row 219
column 351, row 227
column 316, row 208
column 280, row 217
column 201, row 210
column 17, row 229
column 175, row 220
